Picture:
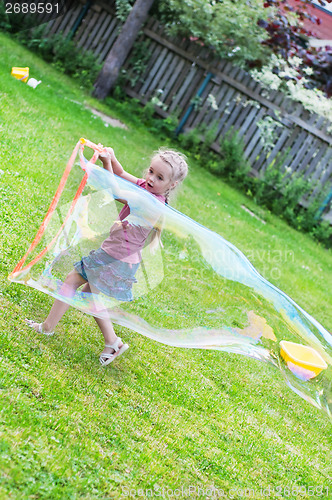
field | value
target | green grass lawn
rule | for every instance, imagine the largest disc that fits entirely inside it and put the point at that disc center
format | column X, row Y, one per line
column 159, row 417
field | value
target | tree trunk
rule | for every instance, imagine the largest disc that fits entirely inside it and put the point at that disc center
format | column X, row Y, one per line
column 121, row 48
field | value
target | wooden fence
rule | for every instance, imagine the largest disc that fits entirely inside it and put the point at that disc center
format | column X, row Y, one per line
column 200, row 89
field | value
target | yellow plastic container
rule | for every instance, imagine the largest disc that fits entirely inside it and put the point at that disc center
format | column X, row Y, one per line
column 20, row 73
column 303, row 356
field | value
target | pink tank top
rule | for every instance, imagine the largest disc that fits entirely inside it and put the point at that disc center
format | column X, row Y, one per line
column 126, row 240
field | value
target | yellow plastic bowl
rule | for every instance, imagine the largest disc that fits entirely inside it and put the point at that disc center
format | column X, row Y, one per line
column 302, row 356
column 20, row 73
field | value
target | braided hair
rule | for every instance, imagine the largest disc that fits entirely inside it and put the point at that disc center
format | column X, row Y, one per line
column 178, row 164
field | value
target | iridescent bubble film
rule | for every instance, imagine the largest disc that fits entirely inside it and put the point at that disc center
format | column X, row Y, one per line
column 227, row 305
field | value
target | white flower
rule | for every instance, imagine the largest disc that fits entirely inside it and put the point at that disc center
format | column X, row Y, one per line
column 308, row 70
column 296, row 61
column 212, row 101
column 312, row 99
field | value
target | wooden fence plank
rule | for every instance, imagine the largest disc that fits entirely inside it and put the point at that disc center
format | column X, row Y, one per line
column 238, row 115
column 327, row 173
column 67, row 22
column 324, row 166
column 190, row 77
column 320, row 152
column 212, row 115
column 61, row 23
column 110, row 36
column 190, row 92
column 222, row 96
column 85, row 27
column 155, row 83
column 159, row 57
column 225, row 104
column 171, row 71
column 290, row 158
column 54, row 25
column 87, row 44
column 202, row 113
column 254, row 139
column 105, row 30
column 96, row 32
column 257, row 152
column 298, row 163
column 279, row 149
column 171, row 99
column 110, row 41
column 300, row 137
column 238, row 124
column 251, row 134
column 251, row 118
column 171, row 76
column 321, row 176
column 309, row 159
column 143, row 82
column 264, row 160
column 226, row 108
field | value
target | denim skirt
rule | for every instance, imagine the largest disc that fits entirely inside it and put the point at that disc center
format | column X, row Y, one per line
column 109, row 275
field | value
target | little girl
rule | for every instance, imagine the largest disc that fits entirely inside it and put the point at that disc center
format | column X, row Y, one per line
column 111, row 269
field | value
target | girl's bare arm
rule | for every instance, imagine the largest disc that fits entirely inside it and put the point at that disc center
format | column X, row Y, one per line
column 113, row 166
column 111, row 163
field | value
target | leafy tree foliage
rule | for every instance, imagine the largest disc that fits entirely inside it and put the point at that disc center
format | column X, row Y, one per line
column 229, row 27
column 248, row 32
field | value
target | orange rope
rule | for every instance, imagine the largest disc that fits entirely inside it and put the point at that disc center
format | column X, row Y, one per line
column 81, row 143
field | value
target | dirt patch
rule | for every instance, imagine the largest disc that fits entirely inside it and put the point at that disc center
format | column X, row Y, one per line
column 252, row 214
column 107, row 119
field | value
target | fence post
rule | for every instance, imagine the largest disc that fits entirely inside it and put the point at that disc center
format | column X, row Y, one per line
column 191, row 107
column 325, row 203
column 78, row 21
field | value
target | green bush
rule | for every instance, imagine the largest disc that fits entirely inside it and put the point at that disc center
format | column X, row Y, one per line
column 191, row 140
column 233, row 165
column 137, row 63
column 276, row 189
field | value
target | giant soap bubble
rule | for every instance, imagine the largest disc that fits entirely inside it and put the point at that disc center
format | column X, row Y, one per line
column 227, row 304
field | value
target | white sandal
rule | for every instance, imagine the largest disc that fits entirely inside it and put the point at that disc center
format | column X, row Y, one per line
column 40, row 329
column 106, row 357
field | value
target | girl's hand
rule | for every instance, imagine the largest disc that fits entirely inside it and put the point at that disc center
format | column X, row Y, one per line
column 107, row 153
column 106, row 158
column 111, row 163
column 110, row 152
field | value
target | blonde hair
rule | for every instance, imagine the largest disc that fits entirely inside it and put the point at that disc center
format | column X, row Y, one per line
column 177, row 162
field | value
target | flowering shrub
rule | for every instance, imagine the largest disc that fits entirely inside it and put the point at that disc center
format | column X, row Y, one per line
column 285, row 79
column 287, row 38
column 268, row 132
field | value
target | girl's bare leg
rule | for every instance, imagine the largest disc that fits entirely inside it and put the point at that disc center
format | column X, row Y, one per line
column 73, row 281
column 105, row 326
